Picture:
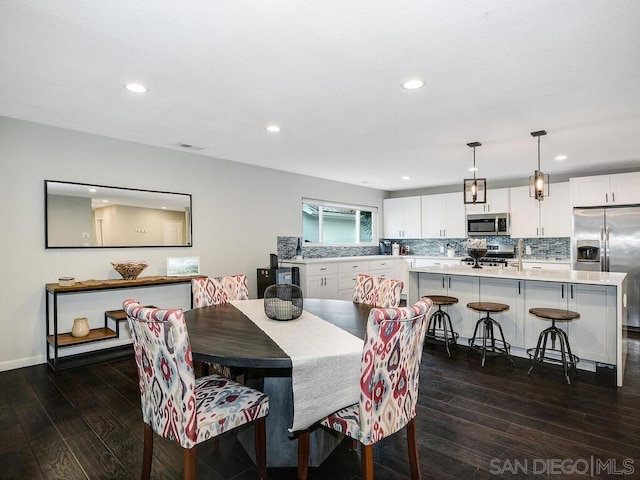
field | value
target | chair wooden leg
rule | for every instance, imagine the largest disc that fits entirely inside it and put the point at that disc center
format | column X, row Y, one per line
column 354, row 445
column 366, row 461
column 412, row 446
column 189, row 463
column 204, row 369
column 303, row 454
column 260, row 435
column 147, row 452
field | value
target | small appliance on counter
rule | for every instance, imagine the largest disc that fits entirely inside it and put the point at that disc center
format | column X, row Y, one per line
column 386, row 247
column 276, row 276
column 395, row 249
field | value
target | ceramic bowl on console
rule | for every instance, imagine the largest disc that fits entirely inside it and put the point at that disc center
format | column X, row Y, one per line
column 129, row 269
column 476, row 253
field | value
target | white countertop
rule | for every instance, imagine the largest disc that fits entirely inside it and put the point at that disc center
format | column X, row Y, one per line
column 544, row 275
column 307, row 261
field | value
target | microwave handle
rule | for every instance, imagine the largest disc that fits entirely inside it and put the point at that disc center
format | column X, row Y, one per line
column 496, row 226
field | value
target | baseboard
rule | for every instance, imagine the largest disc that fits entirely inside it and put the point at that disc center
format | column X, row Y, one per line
column 22, row 362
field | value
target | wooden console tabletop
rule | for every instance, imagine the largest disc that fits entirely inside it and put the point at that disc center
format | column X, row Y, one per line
column 87, row 285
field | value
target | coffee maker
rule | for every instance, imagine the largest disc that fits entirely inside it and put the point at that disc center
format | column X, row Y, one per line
column 385, row 247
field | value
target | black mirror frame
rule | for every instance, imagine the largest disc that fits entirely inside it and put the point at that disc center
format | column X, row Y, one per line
column 83, row 247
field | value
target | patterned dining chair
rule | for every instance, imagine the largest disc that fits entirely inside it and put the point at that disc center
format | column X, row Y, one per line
column 389, row 380
column 377, row 291
column 176, row 405
column 209, row 291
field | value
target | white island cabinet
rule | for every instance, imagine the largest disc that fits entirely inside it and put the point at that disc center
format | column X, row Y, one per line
column 597, row 337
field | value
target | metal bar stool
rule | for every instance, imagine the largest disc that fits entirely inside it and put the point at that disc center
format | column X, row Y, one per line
column 439, row 329
column 490, row 345
column 563, row 356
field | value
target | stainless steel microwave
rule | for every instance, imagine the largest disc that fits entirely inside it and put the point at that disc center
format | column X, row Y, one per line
column 488, row 224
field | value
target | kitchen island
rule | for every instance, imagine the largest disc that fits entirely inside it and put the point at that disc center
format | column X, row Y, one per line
column 598, row 337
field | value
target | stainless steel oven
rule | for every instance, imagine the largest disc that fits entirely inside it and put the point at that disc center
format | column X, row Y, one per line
column 488, row 224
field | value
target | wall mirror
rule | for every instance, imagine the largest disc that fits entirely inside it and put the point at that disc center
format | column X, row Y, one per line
column 79, row 215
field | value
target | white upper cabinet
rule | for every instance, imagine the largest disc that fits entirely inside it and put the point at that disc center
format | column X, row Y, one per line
column 604, row 190
column 551, row 217
column 443, row 216
column 497, row 202
column 402, row 217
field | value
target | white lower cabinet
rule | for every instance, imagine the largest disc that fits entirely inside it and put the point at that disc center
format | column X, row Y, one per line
column 465, row 289
column 347, row 276
column 592, row 336
column 319, row 280
column 385, row 268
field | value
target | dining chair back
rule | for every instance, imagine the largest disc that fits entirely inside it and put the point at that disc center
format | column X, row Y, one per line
column 389, row 379
column 377, row 291
column 208, row 291
column 176, row 405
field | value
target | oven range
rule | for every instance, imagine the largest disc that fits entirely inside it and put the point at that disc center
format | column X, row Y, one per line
column 496, row 256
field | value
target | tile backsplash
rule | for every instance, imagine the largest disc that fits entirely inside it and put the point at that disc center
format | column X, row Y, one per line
column 541, row 248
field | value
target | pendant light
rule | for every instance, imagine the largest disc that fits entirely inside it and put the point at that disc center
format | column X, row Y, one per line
column 474, row 189
column 539, row 182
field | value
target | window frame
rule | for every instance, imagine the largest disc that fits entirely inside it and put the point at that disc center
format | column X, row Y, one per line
column 358, row 208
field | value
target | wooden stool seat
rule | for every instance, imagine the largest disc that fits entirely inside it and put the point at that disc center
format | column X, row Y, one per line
column 554, row 314
column 442, row 299
column 488, row 307
column 484, row 338
column 440, row 329
column 542, row 353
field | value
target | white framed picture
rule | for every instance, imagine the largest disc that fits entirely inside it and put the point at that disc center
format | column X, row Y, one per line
column 183, row 266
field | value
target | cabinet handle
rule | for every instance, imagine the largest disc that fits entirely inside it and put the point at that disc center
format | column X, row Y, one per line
column 519, row 291
column 449, row 282
column 571, row 292
column 443, row 283
column 354, row 266
column 537, row 232
column 444, row 232
column 322, row 269
column 606, row 198
column 562, row 296
column 542, row 228
column 613, row 197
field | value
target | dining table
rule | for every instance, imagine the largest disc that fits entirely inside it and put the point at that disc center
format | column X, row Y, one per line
column 238, row 334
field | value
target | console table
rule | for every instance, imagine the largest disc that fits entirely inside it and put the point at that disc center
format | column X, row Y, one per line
column 57, row 340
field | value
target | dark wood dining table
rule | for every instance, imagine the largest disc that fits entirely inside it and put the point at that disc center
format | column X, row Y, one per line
column 224, row 335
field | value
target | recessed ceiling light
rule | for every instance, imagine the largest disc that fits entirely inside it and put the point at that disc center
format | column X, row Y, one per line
column 272, row 128
column 92, row 190
column 105, row 201
column 406, row 178
column 473, row 169
column 561, row 157
column 413, row 84
column 135, row 88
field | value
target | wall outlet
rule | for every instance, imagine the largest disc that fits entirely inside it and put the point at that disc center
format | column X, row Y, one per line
column 527, row 250
column 441, row 248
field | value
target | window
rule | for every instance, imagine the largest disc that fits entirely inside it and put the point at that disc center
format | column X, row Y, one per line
column 333, row 223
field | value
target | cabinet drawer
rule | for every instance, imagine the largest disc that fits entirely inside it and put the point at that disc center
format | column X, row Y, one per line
column 347, row 280
column 382, row 264
column 321, row 269
column 384, row 273
column 348, row 268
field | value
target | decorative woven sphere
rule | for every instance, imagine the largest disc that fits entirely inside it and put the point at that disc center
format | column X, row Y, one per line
column 283, row 302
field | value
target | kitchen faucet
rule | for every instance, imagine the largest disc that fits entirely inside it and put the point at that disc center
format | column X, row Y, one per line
column 520, row 253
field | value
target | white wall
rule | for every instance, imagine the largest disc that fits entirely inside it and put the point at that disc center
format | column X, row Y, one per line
column 238, row 211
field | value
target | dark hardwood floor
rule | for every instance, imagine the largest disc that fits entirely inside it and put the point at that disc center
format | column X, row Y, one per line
column 473, row 423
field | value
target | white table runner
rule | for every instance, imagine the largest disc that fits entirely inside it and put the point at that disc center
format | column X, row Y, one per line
column 326, row 361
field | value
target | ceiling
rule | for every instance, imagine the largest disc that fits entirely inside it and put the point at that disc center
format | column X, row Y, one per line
column 329, row 74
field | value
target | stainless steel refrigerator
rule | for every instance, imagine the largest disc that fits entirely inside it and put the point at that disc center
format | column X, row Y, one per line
column 608, row 240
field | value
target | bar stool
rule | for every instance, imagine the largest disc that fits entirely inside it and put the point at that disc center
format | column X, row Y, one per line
column 439, row 328
column 541, row 352
column 490, row 345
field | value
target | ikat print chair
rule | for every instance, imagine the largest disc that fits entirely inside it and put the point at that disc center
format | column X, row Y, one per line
column 176, row 405
column 377, row 291
column 209, row 291
column 389, row 380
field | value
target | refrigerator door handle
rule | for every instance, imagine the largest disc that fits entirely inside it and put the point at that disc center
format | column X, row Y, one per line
column 607, row 252
column 603, row 246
